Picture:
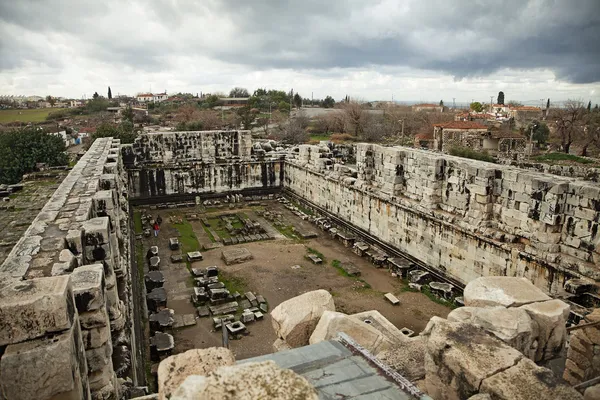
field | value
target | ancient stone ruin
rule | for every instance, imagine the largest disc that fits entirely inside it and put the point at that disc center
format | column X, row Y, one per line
column 72, row 306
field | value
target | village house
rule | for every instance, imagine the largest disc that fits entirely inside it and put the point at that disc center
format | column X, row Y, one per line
column 475, row 136
column 150, row 97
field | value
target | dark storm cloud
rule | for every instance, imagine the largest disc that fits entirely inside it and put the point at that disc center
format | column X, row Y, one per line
column 461, row 38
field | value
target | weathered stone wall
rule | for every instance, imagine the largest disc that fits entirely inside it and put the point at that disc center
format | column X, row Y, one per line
column 466, row 218
column 59, row 288
column 179, row 163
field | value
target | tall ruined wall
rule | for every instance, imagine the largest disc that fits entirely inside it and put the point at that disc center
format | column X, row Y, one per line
column 63, row 324
column 177, row 163
column 464, row 217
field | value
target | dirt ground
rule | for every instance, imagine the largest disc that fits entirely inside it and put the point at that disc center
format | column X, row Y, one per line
column 270, row 274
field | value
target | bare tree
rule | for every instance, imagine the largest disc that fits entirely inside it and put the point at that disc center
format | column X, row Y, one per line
column 292, row 132
column 569, row 123
column 355, row 117
column 591, row 133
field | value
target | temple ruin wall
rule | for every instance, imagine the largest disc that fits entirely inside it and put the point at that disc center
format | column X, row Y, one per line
column 464, row 217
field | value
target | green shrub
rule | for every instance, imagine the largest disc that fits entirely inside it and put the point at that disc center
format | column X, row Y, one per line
column 466, row 152
column 563, row 157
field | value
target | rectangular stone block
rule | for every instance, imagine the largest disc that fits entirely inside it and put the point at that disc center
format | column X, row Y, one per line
column 47, row 368
column 95, row 231
column 34, row 308
column 88, row 287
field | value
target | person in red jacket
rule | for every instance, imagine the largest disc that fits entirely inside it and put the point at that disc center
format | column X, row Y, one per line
column 156, row 228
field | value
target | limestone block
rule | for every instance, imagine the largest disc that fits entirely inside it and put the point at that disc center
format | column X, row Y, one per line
column 173, row 370
column 62, row 268
column 104, row 393
column 96, row 231
column 526, row 381
column 295, row 319
column 33, row 308
column 95, row 337
column 407, row 357
column 502, row 291
column 480, row 396
column 75, row 241
column 264, row 380
column 511, row 325
column 367, row 336
column 45, row 367
column 592, row 393
column 551, row 317
column 459, row 356
column 104, row 201
column 100, row 252
column 94, row 319
column 99, row 358
column 88, row 287
column 101, row 378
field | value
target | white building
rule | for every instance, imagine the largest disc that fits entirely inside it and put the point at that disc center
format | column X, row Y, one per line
column 149, row 97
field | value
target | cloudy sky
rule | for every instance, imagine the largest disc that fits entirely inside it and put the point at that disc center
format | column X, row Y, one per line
column 421, row 50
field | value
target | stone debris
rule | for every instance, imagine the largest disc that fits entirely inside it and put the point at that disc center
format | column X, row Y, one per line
column 192, row 362
column 392, row 299
column 218, row 321
column 165, row 318
column 583, row 355
column 154, row 279
column 226, row 308
column 295, row 319
column 154, row 263
column 176, row 258
column 174, row 244
column 236, row 328
column 513, row 325
column 156, row 299
column 501, row 291
column 350, row 269
column 419, row 276
column 332, row 322
column 236, row 256
column 247, row 381
column 194, row 256
column 314, row 258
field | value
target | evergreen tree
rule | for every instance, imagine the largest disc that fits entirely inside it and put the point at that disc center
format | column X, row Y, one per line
column 96, row 95
column 441, row 103
column 500, row 98
column 109, row 93
column 548, row 104
column 589, row 108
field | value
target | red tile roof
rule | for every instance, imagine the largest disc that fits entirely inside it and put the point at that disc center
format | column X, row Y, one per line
column 145, row 95
column 461, row 125
column 424, row 136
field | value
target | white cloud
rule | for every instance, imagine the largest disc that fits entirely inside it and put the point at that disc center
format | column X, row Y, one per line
column 414, row 50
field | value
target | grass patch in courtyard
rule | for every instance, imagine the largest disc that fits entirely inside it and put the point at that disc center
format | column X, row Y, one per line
column 364, row 286
column 557, row 157
column 287, row 231
column 233, row 283
column 187, row 238
column 300, row 207
column 137, row 222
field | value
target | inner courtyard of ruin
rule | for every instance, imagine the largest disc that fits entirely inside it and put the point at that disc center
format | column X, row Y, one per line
column 455, row 277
